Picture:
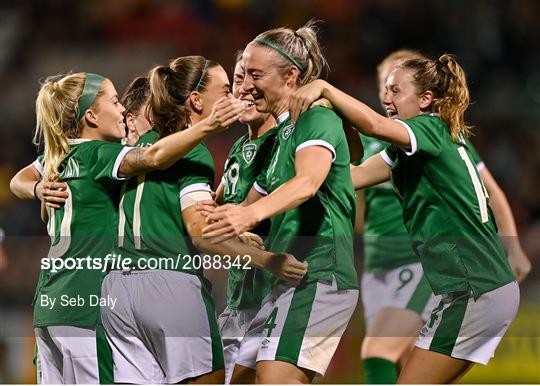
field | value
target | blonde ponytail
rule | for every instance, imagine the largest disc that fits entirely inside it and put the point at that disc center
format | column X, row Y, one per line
column 455, row 100
column 56, row 114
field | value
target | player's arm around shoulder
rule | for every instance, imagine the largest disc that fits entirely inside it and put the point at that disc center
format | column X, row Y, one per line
column 28, row 184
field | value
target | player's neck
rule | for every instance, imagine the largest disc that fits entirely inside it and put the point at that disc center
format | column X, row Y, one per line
column 258, row 129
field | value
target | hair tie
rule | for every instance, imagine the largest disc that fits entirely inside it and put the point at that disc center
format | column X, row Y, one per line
column 202, row 75
column 92, row 84
column 281, row 52
column 168, row 71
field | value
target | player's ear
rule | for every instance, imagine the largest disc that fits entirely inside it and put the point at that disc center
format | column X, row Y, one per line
column 426, row 99
column 91, row 118
column 292, row 76
column 196, row 102
column 130, row 121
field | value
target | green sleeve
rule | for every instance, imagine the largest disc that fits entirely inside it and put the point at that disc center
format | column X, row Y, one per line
column 389, row 154
column 103, row 160
column 199, row 170
column 319, row 126
column 425, row 133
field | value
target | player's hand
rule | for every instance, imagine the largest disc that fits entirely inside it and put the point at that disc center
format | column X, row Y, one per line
column 228, row 221
column 252, row 239
column 206, row 207
column 225, row 112
column 322, row 102
column 286, row 267
column 519, row 262
column 52, row 193
column 302, row 99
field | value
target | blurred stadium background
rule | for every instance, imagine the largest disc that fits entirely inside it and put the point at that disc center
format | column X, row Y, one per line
column 496, row 41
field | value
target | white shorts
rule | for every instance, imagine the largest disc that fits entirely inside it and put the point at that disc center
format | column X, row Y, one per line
column 67, row 354
column 301, row 325
column 403, row 288
column 233, row 325
column 471, row 329
column 163, row 328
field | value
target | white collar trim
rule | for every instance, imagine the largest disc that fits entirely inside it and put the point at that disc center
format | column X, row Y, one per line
column 282, row 117
column 74, row 141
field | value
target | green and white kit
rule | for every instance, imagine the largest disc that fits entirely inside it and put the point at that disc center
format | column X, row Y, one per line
column 318, row 231
column 446, row 212
column 70, row 345
column 163, row 328
column 246, row 288
column 392, row 276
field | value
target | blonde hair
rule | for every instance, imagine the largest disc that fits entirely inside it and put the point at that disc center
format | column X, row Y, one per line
column 445, row 78
column 56, row 118
column 301, row 46
column 170, row 87
column 398, row 57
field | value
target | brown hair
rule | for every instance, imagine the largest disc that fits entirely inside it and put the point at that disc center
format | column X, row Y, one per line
column 135, row 95
column 170, row 87
column 446, row 79
column 56, row 117
column 302, row 46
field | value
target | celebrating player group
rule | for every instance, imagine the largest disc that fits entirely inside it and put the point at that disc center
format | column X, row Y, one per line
column 130, row 177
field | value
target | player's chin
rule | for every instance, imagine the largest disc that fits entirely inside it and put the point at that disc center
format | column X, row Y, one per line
column 249, row 116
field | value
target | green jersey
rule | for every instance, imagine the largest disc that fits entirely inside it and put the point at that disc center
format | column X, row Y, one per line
column 445, row 210
column 150, row 226
column 319, row 231
column 386, row 241
column 246, row 288
column 82, row 233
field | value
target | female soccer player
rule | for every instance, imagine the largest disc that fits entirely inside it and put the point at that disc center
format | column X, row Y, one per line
column 310, row 201
column 396, row 296
column 163, row 328
column 248, row 155
column 28, row 183
column 81, row 121
column 445, row 211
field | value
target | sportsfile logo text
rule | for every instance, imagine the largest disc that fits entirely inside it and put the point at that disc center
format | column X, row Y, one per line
column 113, row 262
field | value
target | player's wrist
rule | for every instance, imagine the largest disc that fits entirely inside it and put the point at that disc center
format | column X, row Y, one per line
column 35, row 190
column 254, row 215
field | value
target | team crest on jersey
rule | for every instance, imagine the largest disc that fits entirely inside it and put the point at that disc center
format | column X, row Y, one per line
column 287, row 131
column 248, row 152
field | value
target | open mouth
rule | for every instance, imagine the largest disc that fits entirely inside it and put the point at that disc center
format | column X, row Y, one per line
column 247, row 103
column 391, row 113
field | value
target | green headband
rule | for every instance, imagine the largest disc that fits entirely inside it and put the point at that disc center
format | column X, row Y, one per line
column 92, row 84
column 281, row 52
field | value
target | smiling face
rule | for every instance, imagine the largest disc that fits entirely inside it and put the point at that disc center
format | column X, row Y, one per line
column 251, row 115
column 401, row 99
column 269, row 89
column 108, row 114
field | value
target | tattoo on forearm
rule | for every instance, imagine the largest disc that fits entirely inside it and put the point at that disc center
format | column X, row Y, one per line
column 134, row 162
